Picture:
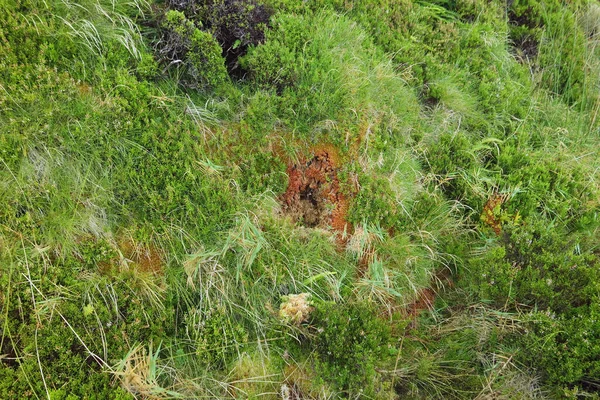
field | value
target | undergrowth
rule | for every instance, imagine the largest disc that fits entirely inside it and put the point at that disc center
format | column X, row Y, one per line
column 149, row 247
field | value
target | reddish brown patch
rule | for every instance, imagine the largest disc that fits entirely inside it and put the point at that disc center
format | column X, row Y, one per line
column 106, row 268
column 491, row 210
column 145, row 258
column 313, row 197
column 424, row 301
column 84, row 88
column 427, row 296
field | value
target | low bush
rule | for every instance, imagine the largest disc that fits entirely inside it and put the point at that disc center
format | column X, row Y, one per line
column 351, row 343
column 235, row 24
column 198, row 52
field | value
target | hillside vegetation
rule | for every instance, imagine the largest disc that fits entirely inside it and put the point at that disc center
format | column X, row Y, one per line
column 288, row 199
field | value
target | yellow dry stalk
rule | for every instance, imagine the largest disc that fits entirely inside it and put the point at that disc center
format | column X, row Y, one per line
column 138, row 373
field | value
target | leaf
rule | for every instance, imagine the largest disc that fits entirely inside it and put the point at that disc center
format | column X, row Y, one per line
column 88, row 310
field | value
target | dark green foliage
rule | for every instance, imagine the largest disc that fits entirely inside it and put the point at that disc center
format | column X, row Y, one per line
column 267, row 61
column 545, row 185
column 198, row 51
column 236, row 24
column 262, row 172
column 536, row 265
column 293, row 69
column 564, row 347
column 526, row 27
column 351, row 342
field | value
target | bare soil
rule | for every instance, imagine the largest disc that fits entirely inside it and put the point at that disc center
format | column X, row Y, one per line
column 313, row 197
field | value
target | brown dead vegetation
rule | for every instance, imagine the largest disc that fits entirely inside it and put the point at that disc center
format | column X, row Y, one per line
column 313, row 197
column 490, row 215
column 145, row 259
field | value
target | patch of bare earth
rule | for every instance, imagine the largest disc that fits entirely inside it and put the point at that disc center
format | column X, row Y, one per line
column 313, row 197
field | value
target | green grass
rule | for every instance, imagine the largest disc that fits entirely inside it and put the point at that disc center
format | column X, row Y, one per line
column 145, row 251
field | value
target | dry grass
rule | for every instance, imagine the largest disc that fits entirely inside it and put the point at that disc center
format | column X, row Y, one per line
column 139, row 373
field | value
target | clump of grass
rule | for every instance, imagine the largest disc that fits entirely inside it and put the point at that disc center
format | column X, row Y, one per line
column 94, row 23
column 312, row 85
column 140, row 371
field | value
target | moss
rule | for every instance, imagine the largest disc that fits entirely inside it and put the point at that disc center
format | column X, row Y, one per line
column 217, row 339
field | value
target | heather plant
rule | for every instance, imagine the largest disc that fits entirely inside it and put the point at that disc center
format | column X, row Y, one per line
column 235, row 24
column 350, row 346
column 197, row 51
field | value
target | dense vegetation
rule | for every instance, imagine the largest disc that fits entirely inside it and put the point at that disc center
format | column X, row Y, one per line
column 299, row 199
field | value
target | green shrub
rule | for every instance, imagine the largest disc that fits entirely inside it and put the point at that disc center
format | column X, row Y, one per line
column 318, row 77
column 374, row 203
column 236, row 24
column 540, row 266
column 537, row 267
column 543, row 184
column 262, row 172
column 182, row 42
column 351, row 343
column 148, row 67
column 564, row 348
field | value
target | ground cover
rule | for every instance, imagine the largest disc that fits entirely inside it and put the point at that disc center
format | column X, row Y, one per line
column 289, row 199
